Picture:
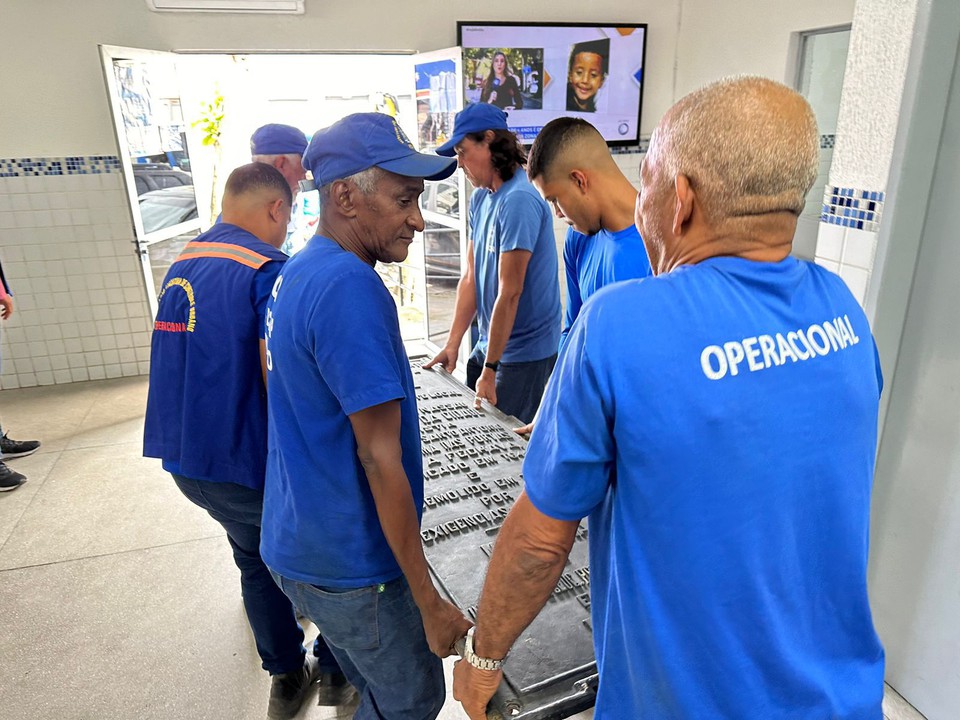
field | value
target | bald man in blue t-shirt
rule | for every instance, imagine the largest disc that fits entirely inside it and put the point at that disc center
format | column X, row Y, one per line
column 718, row 424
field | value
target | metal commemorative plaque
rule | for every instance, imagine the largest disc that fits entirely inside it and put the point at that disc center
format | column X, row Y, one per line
column 472, row 474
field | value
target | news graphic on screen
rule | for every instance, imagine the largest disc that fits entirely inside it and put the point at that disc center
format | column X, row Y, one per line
column 436, row 101
column 539, row 71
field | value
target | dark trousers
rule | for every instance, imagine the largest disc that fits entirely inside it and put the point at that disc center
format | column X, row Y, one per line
column 376, row 633
column 519, row 385
column 275, row 629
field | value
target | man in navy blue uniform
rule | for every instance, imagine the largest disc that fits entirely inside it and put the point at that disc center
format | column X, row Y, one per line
column 207, row 415
column 344, row 491
column 717, row 423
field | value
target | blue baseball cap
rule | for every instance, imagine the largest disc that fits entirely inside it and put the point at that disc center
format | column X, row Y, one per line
column 365, row 140
column 275, row 139
column 475, row 118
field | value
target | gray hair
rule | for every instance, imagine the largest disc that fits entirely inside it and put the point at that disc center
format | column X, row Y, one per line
column 748, row 145
column 268, row 159
column 365, row 180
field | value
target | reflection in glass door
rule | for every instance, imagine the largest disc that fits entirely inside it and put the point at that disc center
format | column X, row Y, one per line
column 144, row 96
column 821, row 65
column 439, row 88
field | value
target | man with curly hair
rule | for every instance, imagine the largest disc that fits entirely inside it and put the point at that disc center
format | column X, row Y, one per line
column 510, row 282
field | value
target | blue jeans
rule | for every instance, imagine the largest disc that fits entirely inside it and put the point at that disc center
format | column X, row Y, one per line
column 519, row 385
column 275, row 629
column 376, row 634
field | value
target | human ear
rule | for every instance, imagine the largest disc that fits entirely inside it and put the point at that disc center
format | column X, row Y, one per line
column 276, row 211
column 685, row 197
column 342, row 196
column 580, row 179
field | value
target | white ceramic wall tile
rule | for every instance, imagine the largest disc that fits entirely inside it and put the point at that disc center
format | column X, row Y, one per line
column 831, row 265
column 66, row 247
column 857, row 280
column 830, row 242
column 859, row 248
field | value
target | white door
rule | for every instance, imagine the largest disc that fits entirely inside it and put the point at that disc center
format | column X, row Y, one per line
column 438, row 77
column 144, row 92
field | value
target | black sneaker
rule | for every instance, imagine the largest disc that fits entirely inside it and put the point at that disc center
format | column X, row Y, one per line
column 17, row 448
column 288, row 690
column 10, row 479
column 335, row 690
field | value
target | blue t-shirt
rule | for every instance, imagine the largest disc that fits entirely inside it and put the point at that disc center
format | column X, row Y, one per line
column 333, row 349
column 205, row 359
column 595, row 261
column 723, row 450
column 517, row 218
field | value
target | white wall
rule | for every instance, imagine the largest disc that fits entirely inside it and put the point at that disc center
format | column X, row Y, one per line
column 717, row 39
column 870, row 113
column 61, row 105
column 880, row 44
column 55, row 106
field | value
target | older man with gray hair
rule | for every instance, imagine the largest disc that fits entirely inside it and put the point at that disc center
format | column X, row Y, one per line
column 344, row 489
column 723, row 448
column 281, row 147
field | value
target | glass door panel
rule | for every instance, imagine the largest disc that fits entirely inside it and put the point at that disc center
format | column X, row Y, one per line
column 439, row 95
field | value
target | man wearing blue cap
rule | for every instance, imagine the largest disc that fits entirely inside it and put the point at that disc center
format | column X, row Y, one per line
column 344, row 490
column 282, row 146
column 510, row 283
column 206, row 409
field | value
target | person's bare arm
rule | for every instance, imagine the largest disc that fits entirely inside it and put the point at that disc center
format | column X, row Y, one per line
column 464, row 310
column 528, row 558
column 512, row 272
column 377, row 430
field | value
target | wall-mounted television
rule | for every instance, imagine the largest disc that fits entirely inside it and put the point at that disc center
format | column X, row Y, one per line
column 540, row 71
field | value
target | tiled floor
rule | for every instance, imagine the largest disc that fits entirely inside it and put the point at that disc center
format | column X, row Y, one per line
column 119, row 598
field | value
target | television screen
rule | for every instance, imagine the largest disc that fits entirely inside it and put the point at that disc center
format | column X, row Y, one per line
column 539, row 71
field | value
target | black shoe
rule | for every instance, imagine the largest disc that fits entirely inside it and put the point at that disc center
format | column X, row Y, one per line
column 17, row 448
column 10, row 479
column 288, row 690
column 335, row 690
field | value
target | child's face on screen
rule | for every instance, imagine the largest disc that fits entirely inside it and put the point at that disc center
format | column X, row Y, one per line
column 586, row 75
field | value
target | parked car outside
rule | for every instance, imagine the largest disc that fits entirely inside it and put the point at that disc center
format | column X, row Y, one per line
column 155, row 176
column 441, row 243
column 167, row 207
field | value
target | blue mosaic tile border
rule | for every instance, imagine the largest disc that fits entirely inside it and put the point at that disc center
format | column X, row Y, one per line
column 854, row 208
column 73, row 165
column 827, row 141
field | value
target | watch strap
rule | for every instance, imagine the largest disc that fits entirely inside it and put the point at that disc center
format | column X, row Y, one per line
column 478, row 662
column 492, row 365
